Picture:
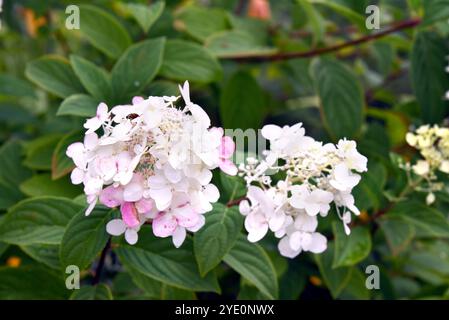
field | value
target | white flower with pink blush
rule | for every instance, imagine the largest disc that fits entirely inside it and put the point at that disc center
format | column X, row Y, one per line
column 153, row 162
column 315, row 177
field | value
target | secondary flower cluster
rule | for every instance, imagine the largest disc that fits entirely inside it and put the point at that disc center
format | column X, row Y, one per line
column 433, row 144
column 154, row 161
column 313, row 176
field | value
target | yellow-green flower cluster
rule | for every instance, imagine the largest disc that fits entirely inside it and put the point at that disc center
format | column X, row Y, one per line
column 433, row 144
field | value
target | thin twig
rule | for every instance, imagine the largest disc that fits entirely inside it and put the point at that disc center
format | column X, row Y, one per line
column 100, row 265
column 406, row 24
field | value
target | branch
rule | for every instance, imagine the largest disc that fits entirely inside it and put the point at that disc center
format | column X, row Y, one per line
column 235, row 202
column 100, row 265
column 406, row 24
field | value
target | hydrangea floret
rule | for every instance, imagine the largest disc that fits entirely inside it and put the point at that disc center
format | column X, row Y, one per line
column 154, row 161
column 315, row 176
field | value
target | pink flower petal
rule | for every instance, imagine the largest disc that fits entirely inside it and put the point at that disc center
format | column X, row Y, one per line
column 144, row 205
column 137, row 100
column 186, row 216
column 227, row 147
column 111, row 197
column 228, row 167
column 129, row 214
column 164, row 225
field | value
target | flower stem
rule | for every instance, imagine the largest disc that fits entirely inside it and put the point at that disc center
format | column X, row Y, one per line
column 100, row 264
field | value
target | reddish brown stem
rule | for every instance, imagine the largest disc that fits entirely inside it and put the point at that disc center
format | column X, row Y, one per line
column 406, row 24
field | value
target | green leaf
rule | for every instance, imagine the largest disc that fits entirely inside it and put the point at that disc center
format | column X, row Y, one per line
column 95, row 79
column 350, row 250
column 137, row 67
column 39, row 151
column 397, row 124
column 344, row 11
column 39, row 220
column 103, row 31
column 30, row 283
column 47, row 254
column 84, row 238
column 234, row 44
column 368, row 193
column 253, row 263
column 157, row 258
column 146, row 15
column 43, row 185
column 233, row 187
column 158, row 290
column 314, row 19
column 12, row 173
column 185, row 60
column 10, row 161
column 213, row 241
column 429, row 79
column 435, row 10
column 54, row 74
column 3, row 248
column 398, row 233
column 80, row 105
column 61, row 165
column 356, row 287
column 242, row 103
column 336, row 279
column 162, row 88
column 427, row 221
column 341, row 98
column 200, row 22
column 15, row 87
column 98, row 292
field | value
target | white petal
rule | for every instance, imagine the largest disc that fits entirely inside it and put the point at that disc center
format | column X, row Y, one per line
column 116, row 227
column 77, row 176
column 271, row 132
column 131, row 236
column 286, row 250
column 211, row 193
column 179, row 236
column 162, row 197
column 318, row 243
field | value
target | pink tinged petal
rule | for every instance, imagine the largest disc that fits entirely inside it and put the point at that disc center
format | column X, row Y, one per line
column 164, row 225
column 271, row 132
column 227, row 147
column 144, row 206
column 137, row 100
column 172, row 175
column 179, row 236
column 162, row 197
column 102, row 111
column 186, row 216
column 90, row 141
column 211, row 193
column 116, row 227
column 228, row 167
column 133, row 191
column 129, row 214
column 131, row 236
column 111, row 197
column 199, row 225
column 77, row 176
column 286, row 250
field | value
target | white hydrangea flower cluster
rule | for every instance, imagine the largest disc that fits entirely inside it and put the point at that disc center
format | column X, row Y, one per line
column 154, row 161
column 433, row 144
column 315, row 175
